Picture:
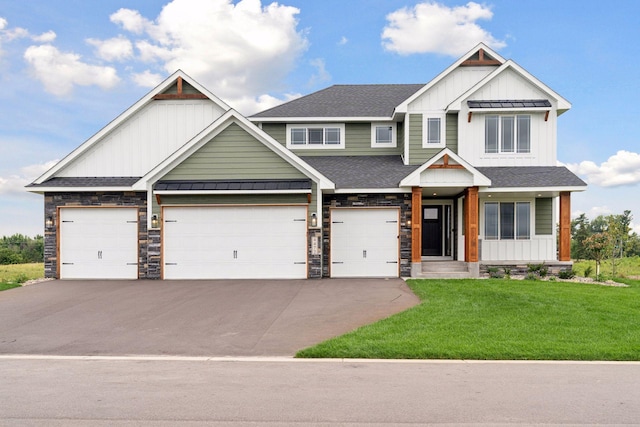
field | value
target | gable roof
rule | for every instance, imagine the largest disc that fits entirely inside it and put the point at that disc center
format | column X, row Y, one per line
column 563, row 104
column 174, row 79
column 445, row 154
column 338, row 101
column 214, row 129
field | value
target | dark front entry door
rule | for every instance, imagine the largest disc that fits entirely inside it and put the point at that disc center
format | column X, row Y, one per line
column 432, row 222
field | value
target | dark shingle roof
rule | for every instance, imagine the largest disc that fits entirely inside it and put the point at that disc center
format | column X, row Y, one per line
column 531, row 176
column 90, row 181
column 362, row 171
column 236, row 184
column 346, row 101
column 513, row 103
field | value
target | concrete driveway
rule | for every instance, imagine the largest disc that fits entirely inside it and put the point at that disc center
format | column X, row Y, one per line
column 191, row 318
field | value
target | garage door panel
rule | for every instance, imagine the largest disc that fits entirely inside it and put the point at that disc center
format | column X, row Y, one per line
column 235, row 242
column 98, row 243
column 364, row 242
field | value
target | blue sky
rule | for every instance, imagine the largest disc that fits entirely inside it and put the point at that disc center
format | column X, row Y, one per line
column 68, row 67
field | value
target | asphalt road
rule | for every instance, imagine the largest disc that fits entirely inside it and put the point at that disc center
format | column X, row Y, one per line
column 199, row 392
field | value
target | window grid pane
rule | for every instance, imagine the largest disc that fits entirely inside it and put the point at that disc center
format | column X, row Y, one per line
column 507, row 221
column 384, row 134
column 524, row 134
column 332, row 135
column 433, row 131
column 523, row 223
column 491, row 221
column 508, row 125
column 491, row 134
column 298, row 136
column 316, row 135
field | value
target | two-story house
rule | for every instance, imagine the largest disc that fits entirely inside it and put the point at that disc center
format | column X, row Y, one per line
column 350, row 181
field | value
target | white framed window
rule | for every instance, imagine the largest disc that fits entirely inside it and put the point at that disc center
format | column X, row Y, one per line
column 311, row 136
column 383, row 135
column 507, row 220
column 433, row 131
column 507, row 133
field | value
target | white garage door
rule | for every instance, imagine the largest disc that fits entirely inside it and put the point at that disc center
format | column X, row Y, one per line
column 364, row 242
column 98, row 243
column 239, row 242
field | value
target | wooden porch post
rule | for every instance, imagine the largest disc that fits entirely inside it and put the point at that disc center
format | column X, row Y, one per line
column 564, row 251
column 471, row 219
column 416, row 224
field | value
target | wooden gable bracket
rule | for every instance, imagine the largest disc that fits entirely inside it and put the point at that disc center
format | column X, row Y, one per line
column 481, row 60
column 469, row 116
column 180, row 94
column 445, row 164
column 546, row 116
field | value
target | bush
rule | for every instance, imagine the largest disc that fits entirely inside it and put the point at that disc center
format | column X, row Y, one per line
column 588, row 270
column 495, row 273
column 539, row 270
column 567, row 274
column 531, row 276
column 7, row 256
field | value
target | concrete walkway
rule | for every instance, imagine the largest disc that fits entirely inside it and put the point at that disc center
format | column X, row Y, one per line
column 191, row 318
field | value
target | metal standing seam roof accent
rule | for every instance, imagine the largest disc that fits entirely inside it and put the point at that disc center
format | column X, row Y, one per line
column 375, row 100
column 513, row 103
column 107, row 181
column 531, row 176
column 233, row 185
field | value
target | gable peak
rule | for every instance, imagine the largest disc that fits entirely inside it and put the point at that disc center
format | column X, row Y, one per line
column 479, row 58
column 180, row 89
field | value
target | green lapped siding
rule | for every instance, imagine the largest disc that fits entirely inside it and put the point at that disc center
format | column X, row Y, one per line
column 417, row 154
column 544, row 216
column 357, row 141
column 234, row 154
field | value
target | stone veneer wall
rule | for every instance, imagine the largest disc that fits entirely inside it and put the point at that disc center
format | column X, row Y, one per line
column 314, row 257
column 401, row 200
column 117, row 198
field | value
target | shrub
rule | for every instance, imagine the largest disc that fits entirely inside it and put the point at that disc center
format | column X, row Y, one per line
column 507, row 272
column 531, row 276
column 567, row 274
column 539, row 270
column 587, row 271
column 495, row 273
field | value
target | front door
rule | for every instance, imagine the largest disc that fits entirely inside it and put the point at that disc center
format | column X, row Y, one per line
column 432, row 224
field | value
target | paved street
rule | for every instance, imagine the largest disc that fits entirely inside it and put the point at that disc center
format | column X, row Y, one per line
column 200, row 392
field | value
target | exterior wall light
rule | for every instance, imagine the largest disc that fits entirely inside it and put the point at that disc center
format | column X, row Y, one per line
column 154, row 221
column 314, row 220
column 408, row 223
column 48, row 223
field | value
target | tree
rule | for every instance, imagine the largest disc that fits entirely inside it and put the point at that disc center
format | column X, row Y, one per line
column 598, row 245
column 580, row 230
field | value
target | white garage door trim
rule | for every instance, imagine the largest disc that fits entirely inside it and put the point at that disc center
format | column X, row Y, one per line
column 234, row 242
column 365, row 242
column 98, row 242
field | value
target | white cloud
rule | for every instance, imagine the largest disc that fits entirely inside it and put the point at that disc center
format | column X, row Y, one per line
column 147, row 79
column 47, row 37
column 14, row 184
column 239, row 51
column 431, row 27
column 113, row 49
column 343, row 41
column 321, row 75
column 60, row 71
column 250, row 105
column 623, row 168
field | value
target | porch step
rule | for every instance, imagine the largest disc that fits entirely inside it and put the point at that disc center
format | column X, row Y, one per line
column 445, row 270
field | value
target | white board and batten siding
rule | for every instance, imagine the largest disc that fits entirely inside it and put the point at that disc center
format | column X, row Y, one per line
column 235, row 242
column 538, row 248
column 98, row 243
column 144, row 140
column 365, row 242
column 508, row 85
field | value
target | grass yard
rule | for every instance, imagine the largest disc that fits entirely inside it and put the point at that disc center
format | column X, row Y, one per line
column 14, row 275
column 502, row 320
column 625, row 267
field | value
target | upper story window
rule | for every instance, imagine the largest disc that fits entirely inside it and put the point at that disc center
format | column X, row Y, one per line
column 310, row 136
column 383, row 135
column 507, row 220
column 507, row 134
column 433, row 135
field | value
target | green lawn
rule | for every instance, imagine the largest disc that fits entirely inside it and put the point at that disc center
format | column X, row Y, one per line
column 14, row 275
column 625, row 267
column 502, row 319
